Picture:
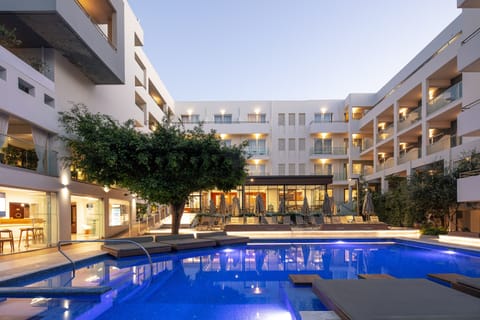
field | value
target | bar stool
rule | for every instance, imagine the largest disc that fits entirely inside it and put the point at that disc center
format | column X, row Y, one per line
column 7, row 238
column 29, row 232
column 38, row 234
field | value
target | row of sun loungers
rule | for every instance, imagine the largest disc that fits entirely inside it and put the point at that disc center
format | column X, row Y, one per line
column 166, row 243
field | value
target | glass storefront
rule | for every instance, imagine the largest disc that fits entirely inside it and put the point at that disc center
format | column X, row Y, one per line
column 87, row 217
column 118, row 212
column 29, row 217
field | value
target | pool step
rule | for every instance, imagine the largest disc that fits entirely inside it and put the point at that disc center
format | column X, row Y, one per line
column 319, row 315
column 47, row 292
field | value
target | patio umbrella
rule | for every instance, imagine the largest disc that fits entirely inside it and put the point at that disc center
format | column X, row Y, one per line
column 212, row 207
column 305, row 207
column 326, row 207
column 236, row 207
column 223, row 206
column 367, row 207
column 281, row 207
column 259, row 206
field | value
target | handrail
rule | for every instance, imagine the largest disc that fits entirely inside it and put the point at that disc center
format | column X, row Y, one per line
column 471, row 36
column 59, row 246
column 471, row 105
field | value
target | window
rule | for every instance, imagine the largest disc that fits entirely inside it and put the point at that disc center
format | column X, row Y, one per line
column 281, row 144
column 291, row 144
column 256, row 169
column 49, row 101
column 3, row 73
column 26, row 87
column 227, row 143
column 222, row 118
column 323, row 117
column 301, row 169
column 301, row 144
column 291, row 119
column 257, row 117
column 323, row 146
column 281, row 169
column 323, row 169
column 281, row 119
column 256, row 147
column 190, row 118
column 291, row 169
column 301, row 119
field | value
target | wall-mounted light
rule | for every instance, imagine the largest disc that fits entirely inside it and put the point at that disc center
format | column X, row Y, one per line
column 189, row 111
column 257, row 110
column 223, row 136
column 323, row 161
column 222, row 111
column 323, row 110
column 106, row 189
column 257, row 135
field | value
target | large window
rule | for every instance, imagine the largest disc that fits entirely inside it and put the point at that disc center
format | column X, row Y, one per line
column 256, row 169
column 190, row 118
column 301, row 144
column 301, row 119
column 118, row 212
column 291, row 119
column 291, row 169
column 281, row 169
column 323, row 146
column 222, row 118
column 323, row 117
column 323, row 169
column 281, row 144
column 257, row 117
column 281, row 119
column 291, row 144
column 256, row 147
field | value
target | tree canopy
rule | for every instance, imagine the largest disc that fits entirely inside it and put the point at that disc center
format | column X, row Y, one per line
column 164, row 166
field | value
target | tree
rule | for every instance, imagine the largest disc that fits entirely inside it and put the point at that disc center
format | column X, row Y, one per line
column 434, row 193
column 164, row 166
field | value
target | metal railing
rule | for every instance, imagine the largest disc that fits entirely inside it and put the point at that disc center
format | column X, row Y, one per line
column 59, row 247
column 451, row 94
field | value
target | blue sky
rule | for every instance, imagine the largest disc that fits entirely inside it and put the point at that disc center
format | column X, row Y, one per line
column 285, row 49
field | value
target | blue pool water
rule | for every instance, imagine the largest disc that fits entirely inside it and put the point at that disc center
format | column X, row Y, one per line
column 240, row 282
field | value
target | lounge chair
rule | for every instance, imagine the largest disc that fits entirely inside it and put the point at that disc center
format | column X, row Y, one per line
column 222, row 238
column 458, row 282
column 128, row 249
column 358, row 219
column 185, row 242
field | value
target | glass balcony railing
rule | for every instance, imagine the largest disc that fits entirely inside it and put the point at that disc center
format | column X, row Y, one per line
column 329, row 150
column 412, row 117
column 24, row 154
column 366, row 143
column 451, row 94
column 257, row 151
column 386, row 133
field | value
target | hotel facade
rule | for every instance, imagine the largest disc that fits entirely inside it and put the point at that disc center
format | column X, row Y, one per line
column 90, row 52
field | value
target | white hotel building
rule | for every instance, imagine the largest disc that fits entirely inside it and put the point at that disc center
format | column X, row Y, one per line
column 90, row 52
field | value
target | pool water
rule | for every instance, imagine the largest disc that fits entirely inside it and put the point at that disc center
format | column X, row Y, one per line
column 240, row 282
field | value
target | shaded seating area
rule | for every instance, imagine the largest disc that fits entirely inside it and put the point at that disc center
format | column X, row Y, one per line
column 395, row 299
column 222, row 238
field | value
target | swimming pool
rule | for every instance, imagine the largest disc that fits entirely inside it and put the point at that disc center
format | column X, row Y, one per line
column 240, row 282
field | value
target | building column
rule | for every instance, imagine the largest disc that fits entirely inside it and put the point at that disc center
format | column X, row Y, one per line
column 425, row 127
column 396, row 142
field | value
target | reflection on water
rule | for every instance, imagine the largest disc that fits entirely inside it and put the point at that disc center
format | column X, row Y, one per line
column 245, row 282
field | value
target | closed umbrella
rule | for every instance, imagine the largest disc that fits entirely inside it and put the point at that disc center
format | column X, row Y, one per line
column 305, row 207
column 367, row 207
column 223, row 206
column 235, row 207
column 259, row 206
column 281, row 207
column 326, row 207
column 212, row 207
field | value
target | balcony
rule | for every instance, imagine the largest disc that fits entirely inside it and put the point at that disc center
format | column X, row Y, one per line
column 328, row 126
column 23, row 154
column 257, row 153
column 410, row 118
column 332, row 151
column 439, row 144
column 82, row 30
column 367, row 143
column 467, row 187
column 410, row 155
column 385, row 164
column 468, row 120
column 235, row 127
column 451, row 94
column 385, row 134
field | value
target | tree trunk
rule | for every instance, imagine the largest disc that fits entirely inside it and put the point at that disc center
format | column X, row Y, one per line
column 177, row 212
